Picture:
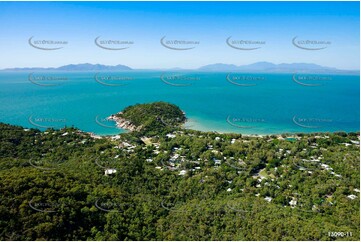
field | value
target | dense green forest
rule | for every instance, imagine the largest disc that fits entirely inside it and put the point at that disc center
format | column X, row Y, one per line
column 177, row 184
column 153, row 118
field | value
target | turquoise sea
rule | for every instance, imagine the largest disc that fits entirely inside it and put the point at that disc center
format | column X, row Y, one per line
column 224, row 102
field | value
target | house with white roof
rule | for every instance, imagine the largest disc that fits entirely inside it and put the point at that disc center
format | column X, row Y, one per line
column 110, row 171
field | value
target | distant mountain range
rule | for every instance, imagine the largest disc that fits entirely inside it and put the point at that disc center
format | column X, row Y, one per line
column 274, row 68
column 76, row 67
column 266, row 67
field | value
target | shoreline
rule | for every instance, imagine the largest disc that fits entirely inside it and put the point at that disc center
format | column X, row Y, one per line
column 128, row 126
column 123, row 123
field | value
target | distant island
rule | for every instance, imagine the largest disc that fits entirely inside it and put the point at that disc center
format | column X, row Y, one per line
column 264, row 67
column 149, row 117
column 269, row 67
column 75, row 67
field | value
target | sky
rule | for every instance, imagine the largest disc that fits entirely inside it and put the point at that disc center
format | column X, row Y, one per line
column 209, row 23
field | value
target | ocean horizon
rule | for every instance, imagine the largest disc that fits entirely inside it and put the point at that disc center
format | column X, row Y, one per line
column 227, row 102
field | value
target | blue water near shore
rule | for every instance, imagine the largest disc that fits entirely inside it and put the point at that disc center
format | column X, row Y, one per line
column 243, row 103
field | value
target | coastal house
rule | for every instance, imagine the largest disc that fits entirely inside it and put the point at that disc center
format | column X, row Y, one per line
column 352, row 197
column 327, row 167
column 355, row 142
column 110, row 171
column 268, row 199
column 171, row 136
column 293, row 202
column 115, row 137
column 182, row 172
